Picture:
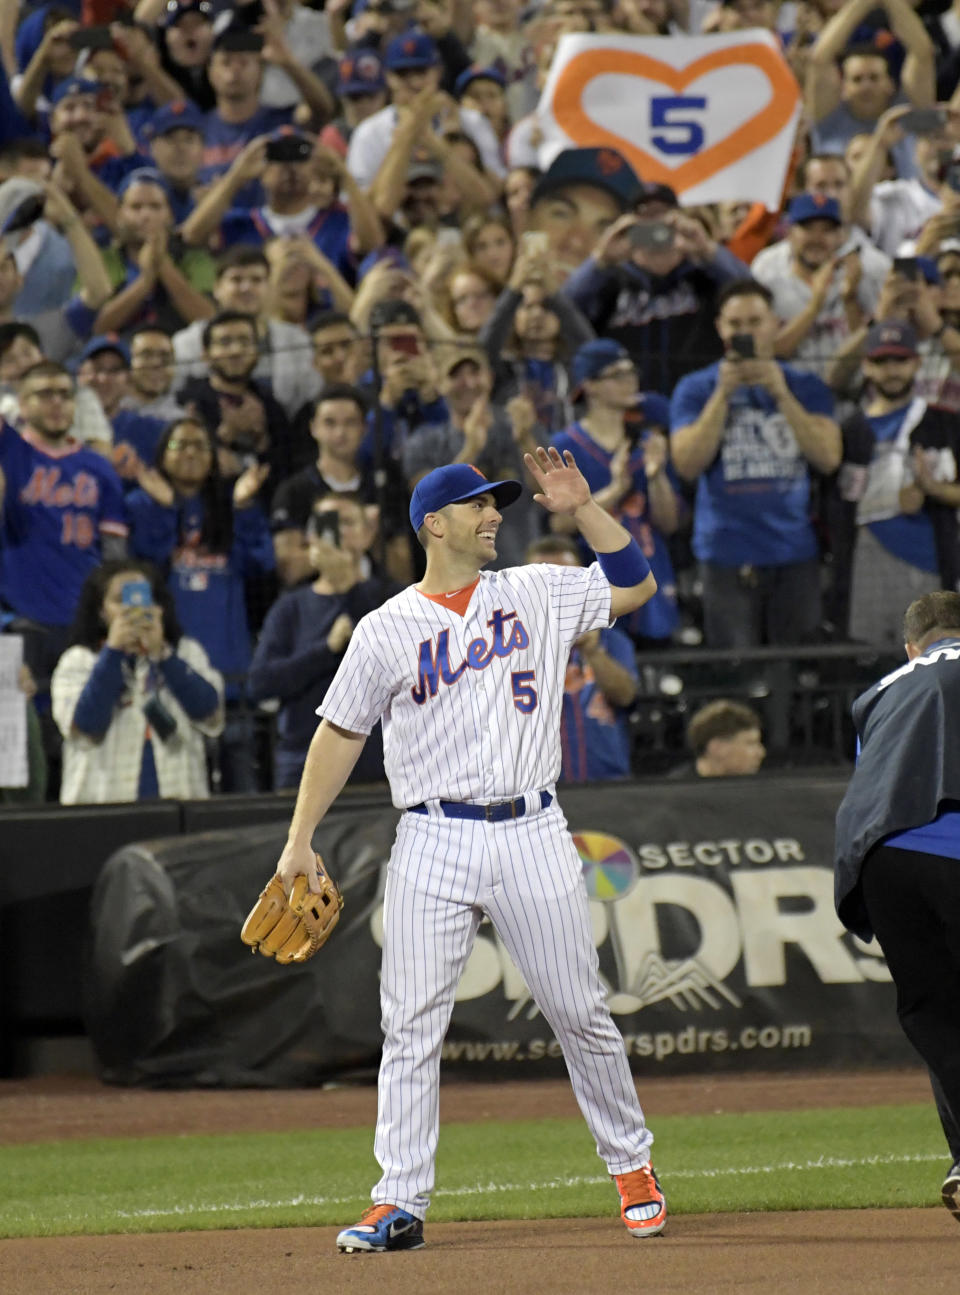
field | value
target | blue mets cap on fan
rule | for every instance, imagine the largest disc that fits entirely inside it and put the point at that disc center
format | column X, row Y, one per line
column 454, row 484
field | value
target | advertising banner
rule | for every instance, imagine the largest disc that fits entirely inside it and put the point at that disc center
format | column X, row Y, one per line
column 712, row 909
column 714, row 117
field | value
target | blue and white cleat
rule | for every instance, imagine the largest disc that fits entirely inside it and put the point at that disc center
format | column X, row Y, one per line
column 382, row 1228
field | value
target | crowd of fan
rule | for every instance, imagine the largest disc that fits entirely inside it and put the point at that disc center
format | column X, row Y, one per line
column 264, row 265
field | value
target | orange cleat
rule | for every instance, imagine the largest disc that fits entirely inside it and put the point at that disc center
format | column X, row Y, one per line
column 643, row 1206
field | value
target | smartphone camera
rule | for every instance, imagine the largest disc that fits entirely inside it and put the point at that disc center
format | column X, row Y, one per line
column 137, row 593
column 633, row 426
column 405, row 344
column 743, row 346
column 289, row 148
column 535, row 242
column 907, row 267
column 651, row 235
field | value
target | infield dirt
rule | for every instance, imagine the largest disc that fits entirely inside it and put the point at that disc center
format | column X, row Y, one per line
column 852, row 1252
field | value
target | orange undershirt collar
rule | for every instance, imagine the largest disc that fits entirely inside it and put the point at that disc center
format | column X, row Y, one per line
column 457, row 600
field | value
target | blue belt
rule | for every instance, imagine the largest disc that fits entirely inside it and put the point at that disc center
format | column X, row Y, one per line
column 495, row 813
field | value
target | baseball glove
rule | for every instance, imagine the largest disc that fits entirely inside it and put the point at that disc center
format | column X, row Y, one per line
column 292, row 930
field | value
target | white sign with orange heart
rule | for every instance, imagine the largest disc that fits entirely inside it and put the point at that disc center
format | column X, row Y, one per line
column 712, row 116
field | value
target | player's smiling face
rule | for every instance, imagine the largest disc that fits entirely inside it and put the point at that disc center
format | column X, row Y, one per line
column 471, row 528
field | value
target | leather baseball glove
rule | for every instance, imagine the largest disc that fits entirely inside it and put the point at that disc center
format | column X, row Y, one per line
column 292, row 930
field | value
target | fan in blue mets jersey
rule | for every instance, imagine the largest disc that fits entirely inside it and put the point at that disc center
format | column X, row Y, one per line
column 62, row 508
column 466, row 672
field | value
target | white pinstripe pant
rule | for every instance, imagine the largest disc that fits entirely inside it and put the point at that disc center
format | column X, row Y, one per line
column 525, row 874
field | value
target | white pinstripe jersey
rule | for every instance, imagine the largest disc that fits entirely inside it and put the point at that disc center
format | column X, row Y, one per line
column 470, row 704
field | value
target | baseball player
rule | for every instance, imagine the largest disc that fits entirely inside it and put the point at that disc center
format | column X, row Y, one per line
column 466, row 671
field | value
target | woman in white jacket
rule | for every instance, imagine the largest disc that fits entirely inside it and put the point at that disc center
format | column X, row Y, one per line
column 132, row 697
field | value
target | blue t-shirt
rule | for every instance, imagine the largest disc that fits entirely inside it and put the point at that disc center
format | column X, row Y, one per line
column 329, row 230
column 595, row 735
column 59, row 502
column 753, row 501
column 208, row 588
column 908, row 536
column 656, row 619
column 223, row 141
column 941, row 836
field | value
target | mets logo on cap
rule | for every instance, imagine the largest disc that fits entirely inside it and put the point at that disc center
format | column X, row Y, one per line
column 609, row 162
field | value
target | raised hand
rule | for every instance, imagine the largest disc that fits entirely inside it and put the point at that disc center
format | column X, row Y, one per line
column 154, row 484
column 247, row 485
column 563, row 487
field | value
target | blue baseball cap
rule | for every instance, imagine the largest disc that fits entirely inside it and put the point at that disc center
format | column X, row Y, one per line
column 477, row 73
column 181, row 114
column 603, row 168
column 814, row 206
column 454, row 484
column 892, row 337
column 106, row 342
column 75, row 85
column 145, row 175
column 361, row 72
column 410, row 51
column 595, row 356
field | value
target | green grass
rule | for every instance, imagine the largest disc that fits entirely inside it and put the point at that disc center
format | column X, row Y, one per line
column 852, row 1158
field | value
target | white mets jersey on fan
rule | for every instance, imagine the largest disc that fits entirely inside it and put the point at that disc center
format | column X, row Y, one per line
column 470, row 704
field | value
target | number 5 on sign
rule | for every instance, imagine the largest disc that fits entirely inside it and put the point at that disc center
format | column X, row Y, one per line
column 714, row 117
column 677, row 113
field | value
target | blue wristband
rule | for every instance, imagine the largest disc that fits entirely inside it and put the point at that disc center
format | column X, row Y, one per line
column 625, row 568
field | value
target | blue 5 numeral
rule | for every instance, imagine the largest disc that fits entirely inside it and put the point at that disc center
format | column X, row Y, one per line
column 691, row 140
column 524, row 694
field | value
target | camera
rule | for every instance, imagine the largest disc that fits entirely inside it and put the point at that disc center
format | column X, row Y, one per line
column 91, row 39
column 633, row 426
column 404, row 343
column 289, row 148
column 651, row 235
column 906, row 267
column 743, row 346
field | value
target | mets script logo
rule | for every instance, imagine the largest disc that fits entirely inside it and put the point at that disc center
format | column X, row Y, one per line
column 434, row 665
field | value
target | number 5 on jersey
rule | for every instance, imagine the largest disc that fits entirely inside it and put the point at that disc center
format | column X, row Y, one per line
column 524, row 694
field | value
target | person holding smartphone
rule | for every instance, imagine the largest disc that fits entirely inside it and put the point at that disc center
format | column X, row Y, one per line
column 651, row 284
column 302, row 184
column 409, row 395
column 531, row 335
column 338, row 428
column 748, row 430
column 307, row 632
column 132, row 697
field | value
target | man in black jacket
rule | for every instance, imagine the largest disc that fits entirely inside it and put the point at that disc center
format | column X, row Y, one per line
column 898, row 845
column 652, row 283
